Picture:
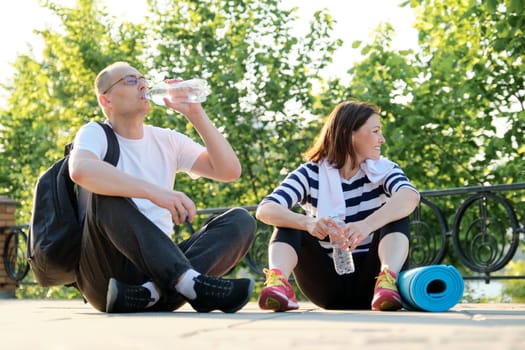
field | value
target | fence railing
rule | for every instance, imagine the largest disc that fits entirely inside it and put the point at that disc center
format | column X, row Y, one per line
column 478, row 228
column 484, row 231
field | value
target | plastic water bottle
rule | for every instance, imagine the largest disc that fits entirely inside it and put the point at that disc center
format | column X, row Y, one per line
column 343, row 260
column 193, row 90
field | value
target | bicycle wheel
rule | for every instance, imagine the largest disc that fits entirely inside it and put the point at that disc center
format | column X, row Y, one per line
column 15, row 259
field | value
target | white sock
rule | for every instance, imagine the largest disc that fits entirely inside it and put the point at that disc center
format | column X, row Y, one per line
column 186, row 283
column 154, row 293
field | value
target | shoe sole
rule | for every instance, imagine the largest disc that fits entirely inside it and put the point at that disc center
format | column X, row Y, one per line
column 111, row 297
column 387, row 305
column 276, row 302
column 251, row 286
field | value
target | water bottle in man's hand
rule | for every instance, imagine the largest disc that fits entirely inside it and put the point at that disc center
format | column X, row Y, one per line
column 193, row 91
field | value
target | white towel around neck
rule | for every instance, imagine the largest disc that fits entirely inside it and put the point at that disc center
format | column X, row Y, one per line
column 330, row 200
column 376, row 170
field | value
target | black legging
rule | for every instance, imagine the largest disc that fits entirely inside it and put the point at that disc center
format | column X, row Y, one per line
column 315, row 274
column 120, row 242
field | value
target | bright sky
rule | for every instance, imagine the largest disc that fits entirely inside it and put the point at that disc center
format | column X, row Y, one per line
column 356, row 20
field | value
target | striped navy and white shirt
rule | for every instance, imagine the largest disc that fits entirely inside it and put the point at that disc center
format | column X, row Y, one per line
column 362, row 197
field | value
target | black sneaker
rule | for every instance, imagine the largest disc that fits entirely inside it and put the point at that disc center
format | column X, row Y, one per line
column 123, row 298
column 227, row 295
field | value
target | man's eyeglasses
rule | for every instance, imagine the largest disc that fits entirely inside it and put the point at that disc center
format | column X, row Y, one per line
column 129, row 79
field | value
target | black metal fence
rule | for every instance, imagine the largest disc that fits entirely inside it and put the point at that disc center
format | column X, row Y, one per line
column 477, row 229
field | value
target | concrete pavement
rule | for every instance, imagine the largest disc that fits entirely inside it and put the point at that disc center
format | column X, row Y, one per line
column 52, row 324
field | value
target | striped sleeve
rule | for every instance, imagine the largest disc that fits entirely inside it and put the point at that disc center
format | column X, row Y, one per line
column 396, row 180
column 292, row 190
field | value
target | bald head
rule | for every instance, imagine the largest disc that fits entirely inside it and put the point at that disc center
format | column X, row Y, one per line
column 108, row 75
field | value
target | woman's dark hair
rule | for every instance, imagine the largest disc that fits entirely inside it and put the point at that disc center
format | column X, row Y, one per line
column 334, row 142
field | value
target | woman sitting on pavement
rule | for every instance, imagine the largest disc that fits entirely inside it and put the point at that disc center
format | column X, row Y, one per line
column 344, row 176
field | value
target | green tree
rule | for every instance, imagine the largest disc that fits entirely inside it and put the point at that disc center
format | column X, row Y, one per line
column 51, row 97
column 455, row 108
column 257, row 69
column 243, row 48
column 515, row 288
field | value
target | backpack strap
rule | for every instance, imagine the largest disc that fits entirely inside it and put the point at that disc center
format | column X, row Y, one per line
column 113, row 152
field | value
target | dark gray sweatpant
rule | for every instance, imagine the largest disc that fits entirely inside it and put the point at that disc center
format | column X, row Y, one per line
column 120, row 242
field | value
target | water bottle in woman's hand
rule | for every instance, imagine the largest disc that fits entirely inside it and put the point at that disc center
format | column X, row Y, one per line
column 343, row 260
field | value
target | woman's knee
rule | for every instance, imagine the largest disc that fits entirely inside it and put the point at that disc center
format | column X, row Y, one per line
column 397, row 238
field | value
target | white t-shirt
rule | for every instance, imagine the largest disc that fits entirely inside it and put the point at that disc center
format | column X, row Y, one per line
column 155, row 158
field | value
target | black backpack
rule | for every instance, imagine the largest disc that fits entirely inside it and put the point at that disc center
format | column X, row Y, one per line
column 55, row 231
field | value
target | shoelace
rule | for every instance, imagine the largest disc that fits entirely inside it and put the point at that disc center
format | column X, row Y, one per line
column 136, row 297
column 273, row 279
column 386, row 280
column 214, row 286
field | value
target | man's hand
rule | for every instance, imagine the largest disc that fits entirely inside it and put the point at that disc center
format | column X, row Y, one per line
column 179, row 100
column 180, row 206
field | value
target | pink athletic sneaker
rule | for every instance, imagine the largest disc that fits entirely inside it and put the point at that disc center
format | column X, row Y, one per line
column 278, row 295
column 386, row 296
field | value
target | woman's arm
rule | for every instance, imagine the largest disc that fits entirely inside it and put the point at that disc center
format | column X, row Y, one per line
column 400, row 205
column 276, row 215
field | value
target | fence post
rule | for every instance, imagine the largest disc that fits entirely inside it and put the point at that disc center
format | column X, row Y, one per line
column 7, row 218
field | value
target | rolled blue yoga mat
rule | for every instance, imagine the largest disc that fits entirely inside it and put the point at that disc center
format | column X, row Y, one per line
column 434, row 288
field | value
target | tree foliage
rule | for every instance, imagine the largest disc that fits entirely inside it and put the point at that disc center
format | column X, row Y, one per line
column 515, row 289
column 256, row 69
column 243, row 48
column 53, row 96
column 455, row 108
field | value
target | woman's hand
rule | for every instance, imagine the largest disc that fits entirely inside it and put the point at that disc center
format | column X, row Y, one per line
column 347, row 236
column 326, row 226
column 356, row 233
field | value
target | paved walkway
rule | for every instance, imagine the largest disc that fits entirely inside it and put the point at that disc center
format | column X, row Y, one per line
column 58, row 325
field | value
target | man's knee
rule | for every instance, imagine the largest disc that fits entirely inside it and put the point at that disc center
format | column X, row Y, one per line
column 243, row 223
